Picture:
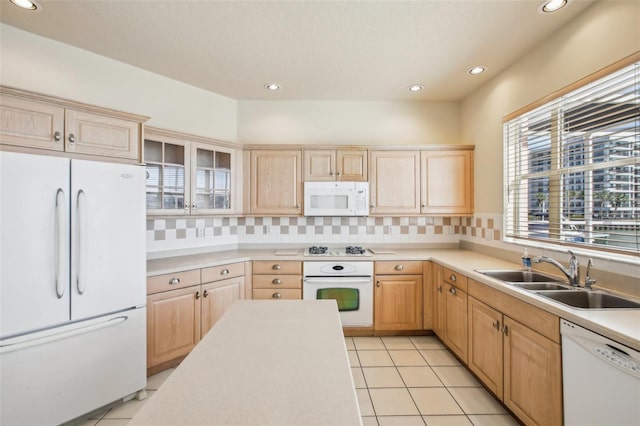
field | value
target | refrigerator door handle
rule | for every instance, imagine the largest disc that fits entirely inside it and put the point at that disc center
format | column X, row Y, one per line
column 80, row 206
column 61, row 232
column 29, row 341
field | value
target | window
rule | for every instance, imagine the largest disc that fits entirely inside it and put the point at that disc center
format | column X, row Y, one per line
column 572, row 167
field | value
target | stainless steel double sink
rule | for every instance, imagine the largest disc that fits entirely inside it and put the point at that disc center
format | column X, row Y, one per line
column 560, row 291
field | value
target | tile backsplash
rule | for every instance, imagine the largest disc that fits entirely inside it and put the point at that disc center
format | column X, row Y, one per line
column 171, row 233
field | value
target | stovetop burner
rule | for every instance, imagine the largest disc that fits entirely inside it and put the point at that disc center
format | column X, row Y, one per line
column 354, row 250
column 317, row 250
column 336, row 252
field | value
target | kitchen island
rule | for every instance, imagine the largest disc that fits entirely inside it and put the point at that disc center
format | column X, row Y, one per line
column 263, row 363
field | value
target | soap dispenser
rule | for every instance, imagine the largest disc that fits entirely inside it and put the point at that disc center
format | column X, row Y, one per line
column 526, row 260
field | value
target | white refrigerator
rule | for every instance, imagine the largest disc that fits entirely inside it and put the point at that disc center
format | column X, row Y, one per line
column 72, row 286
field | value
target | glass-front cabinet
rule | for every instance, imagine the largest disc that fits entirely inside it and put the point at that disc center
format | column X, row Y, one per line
column 185, row 176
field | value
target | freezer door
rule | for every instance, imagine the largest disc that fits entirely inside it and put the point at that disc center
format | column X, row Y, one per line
column 34, row 242
column 108, row 255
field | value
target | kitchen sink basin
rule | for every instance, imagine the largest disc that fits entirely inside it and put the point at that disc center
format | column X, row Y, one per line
column 590, row 299
column 542, row 286
column 519, row 276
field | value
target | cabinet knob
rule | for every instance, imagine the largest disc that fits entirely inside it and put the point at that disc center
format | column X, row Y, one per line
column 423, row 205
column 377, row 283
column 197, row 295
column 72, row 138
column 339, row 174
column 505, row 330
column 276, row 281
column 276, row 296
column 57, row 136
column 453, row 291
column 193, row 206
column 174, row 281
column 331, row 173
column 298, row 206
column 496, row 325
column 440, row 289
column 276, row 267
column 205, row 294
column 399, row 267
column 224, row 272
column 453, row 278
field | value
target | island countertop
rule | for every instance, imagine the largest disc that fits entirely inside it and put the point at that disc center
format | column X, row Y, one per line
column 263, row 363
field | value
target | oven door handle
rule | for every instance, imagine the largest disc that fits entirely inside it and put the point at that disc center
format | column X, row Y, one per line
column 341, row 280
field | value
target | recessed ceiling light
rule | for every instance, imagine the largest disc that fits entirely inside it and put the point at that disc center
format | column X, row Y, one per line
column 477, row 70
column 26, row 4
column 272, row 86
column 549, row 6
column 415, row 87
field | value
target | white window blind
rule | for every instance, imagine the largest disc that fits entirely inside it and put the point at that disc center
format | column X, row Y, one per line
column 572, row 167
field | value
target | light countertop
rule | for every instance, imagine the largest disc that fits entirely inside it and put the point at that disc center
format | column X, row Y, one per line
column 622, row 325
column 263, row 363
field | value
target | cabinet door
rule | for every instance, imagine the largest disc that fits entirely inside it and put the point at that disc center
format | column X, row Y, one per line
column 447, row 182
column 351, row 165
column 173, row 324
column 30, row 123
column 217, row 297
column 211, row 179
column 168, row 177
column 455, row 320
column 485, row 345
column 398, row 302
column 319, row 165
column 532, row 375
column 438, row 301
column 276, row 182
column 395, row 182
column 94, row 134
column 427, row 296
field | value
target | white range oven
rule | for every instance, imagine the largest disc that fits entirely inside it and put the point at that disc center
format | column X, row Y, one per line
column 348, row 282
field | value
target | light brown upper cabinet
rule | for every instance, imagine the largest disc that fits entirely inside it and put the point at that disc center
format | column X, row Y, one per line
column 31, row 120
column 332, row 165
column 394, row 182
column 276, row 182
column 446, row 182
column 436, row 181
column 190, row 175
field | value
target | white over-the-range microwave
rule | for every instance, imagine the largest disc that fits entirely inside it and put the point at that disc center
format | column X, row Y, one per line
column 336, row 198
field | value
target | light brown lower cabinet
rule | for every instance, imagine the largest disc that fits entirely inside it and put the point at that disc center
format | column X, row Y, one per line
column 514, row 349
column 277, row 280
column 450, row 309
column 398, row 295
column 178, row 319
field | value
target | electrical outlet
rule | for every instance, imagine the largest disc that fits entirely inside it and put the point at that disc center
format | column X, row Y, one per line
column 199, row 232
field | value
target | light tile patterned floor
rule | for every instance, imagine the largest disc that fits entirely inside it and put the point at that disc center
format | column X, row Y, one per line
column 401, row 381
column 416, row 381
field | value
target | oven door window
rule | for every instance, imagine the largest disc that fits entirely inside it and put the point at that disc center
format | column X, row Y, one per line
column 348, row 298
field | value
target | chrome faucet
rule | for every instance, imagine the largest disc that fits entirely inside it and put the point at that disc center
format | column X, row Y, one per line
column 572, row 274
column 588, row 281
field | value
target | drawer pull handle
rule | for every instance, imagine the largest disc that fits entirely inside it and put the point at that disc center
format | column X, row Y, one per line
column 453, row 278
column 224, row 272
column 453, row 291
column 277, row 281
column 276, row 267
column 277, row 296
column 174, row 281
column 399, row 267
column 197, row 295
column 205, row 294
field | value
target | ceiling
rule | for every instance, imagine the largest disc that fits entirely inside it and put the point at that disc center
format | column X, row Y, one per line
column 316, row 50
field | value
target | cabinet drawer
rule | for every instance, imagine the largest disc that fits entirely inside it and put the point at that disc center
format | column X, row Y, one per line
column 285, row 293
column 222, row 272
column 271, row 267
column 277, row 281
column 398, row 267
column 456, row 279
column 160, row 283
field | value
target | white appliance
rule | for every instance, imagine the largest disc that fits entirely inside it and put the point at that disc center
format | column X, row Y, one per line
column 336, row 198
column 72, row 286
column 601, row 379
column 349, row 283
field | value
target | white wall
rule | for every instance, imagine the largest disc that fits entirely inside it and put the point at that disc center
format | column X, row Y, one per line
column 348, row 122
column 603, row 34
column 35, row 63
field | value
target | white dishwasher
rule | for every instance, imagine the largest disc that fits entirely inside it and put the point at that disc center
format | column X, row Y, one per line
column 601, row 379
